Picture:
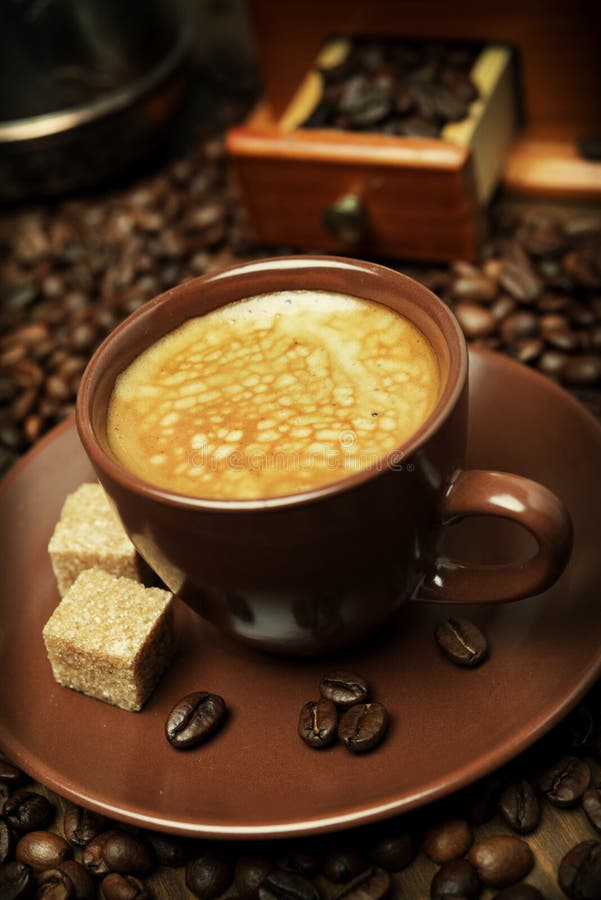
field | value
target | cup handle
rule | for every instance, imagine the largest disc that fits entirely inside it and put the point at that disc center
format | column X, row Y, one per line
column 480, row 492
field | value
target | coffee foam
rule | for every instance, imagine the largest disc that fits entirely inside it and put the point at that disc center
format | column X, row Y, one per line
column 272, row 395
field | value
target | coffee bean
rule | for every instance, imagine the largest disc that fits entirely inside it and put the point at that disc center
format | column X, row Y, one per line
column 282, row 885
column 16, row 881
column 303, row 858
column 519, row 325
column 168, row 850
column 591, row 803
column 363, row 726
column 372, row 884
column 500, row 860
column 344, row 864
column 476, row 321
column 562, row 340
column 195, row 718
column 520, row 282
column 318, row 723
column 393, row 850
column 209, row 875
column 127, row 854
column 519, row 807
column 527, row 350
column 447, row 840
column 92, row 856
column 503, row 307
column 584, row 369
column 553, row 363
column 519, row 892
column 249, row 874
column 53, row 884
column 123, row 887
column 565, row 781
column 83, row 886
column 461, row 641
column 42, row 850
column 81, row 825
column 7, row 841
column 28, row 811
column 455, row 879
column 579, row 872
column 345, row 689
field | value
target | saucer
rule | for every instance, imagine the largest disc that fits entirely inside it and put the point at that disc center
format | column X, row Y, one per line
column 256, row 778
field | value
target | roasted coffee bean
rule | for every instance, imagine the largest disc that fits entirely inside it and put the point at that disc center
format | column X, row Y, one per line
column 476, row 321
column 127, row 854
column 447, row 840
column 519, row 892
column 393, row 850
column 344, row 864
column 362, row 727
column 92, row 857
column 503, row 307
column 372, row 884
column 317, row 723
column 461, row 641
column 7, row 841
column 565, row 781
column 195, row 718
column 501, row 860
column 16, row 881
column 474, row 287
column 168, row 850
column 283, row 885
column 28, row 811
column 83, row 886
column 249, row 874
column 344, row 688
column 303, row 858
column 584, row 369
column 527, row 350
column 519, row 806
column 519, row 325
column 42, row 850
column 553, row 363
column 520, row 282
column 455, row 879
column 10, row 774
column 579, row 872
column 54, row 884
column 123, row 887
column 81, row 825
column 591, row 803
column 209, row 875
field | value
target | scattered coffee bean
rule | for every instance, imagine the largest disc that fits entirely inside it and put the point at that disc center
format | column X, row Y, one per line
column 54, row 884
column 7, row 841
column 519, row 806
column 282, row 885
column 317, row 723
column 519, row 892
column 42, row 850
column 362, row 727
column 194, row 719
column 372, row 884
column 127, row 854
column 28, row 811
column 92, row 857
column 168, row 850
column 501, row 860
column 344, row 864
column 345, row 689
column 16, row 881
column 565, row 781
column 448, row 840
column 476, row 321
column 455, row 879
column 209, row 875
column 591, row 803
column 83, row 886
column 393, row 851
column 249, row 874
column 81, row 825
column 579, row 872
column 123, row 887
column 461, row 641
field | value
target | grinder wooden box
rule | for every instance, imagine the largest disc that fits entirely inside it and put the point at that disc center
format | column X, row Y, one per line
column 420, row 198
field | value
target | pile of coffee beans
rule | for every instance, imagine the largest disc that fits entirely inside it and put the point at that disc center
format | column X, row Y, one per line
column 396, row 87
column 344, row 711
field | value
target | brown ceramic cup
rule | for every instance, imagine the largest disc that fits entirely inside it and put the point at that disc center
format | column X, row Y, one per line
column 313, row 572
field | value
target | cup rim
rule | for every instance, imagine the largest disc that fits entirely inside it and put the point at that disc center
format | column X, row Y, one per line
column 104, row 462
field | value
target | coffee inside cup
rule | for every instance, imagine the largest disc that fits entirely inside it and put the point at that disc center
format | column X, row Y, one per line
column 272, row 395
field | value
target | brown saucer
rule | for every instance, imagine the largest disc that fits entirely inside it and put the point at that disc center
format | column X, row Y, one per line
column 256, row 779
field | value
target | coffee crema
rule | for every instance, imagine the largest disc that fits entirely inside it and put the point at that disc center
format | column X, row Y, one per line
column 273, row 395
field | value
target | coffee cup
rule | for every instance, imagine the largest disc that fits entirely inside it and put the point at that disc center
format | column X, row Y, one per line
column 318, row 567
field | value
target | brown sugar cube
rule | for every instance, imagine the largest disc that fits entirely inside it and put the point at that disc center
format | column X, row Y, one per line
column 111, row 638
column 90, row 535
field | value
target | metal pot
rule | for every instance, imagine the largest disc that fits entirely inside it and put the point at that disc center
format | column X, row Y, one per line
column 85, row 88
